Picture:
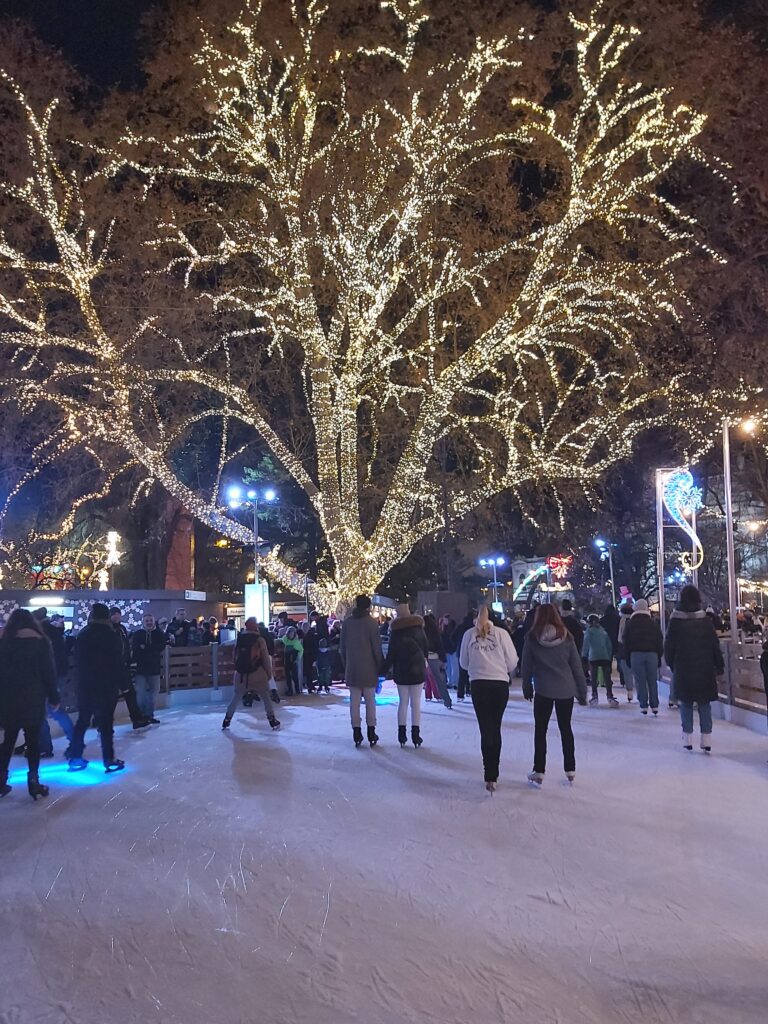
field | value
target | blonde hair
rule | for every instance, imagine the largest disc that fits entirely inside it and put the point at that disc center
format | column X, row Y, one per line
column 482, row 622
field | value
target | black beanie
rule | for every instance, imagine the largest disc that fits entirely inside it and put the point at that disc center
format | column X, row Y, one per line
column 99, row 611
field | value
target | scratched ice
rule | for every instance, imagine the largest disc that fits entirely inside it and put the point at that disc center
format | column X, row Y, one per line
column 251, row 876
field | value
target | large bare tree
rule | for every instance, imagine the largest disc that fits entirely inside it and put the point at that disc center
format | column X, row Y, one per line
column 363, row 305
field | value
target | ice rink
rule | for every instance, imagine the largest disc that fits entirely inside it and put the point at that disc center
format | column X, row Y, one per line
column 253, row 877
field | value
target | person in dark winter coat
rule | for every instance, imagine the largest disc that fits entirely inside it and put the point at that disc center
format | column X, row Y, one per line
column 147, row 648
column 572, row 624
column 625, row 670
column 360, row 650
column 406, row 658
column 101, row 672
column 610, row 622
column 127, row 690
column 643, row 646
column 552, row 677
column 55, row 635
column 458, row 635
column 27, row 683
column 437, row 659
column 692, row 651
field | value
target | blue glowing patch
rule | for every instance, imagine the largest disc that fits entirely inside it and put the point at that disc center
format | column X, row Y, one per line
column 57, row 775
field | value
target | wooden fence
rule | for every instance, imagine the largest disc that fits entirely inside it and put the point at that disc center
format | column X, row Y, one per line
column 743, row 683
column 199, row 668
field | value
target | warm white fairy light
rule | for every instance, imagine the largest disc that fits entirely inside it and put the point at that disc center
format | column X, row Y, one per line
column 527, row 373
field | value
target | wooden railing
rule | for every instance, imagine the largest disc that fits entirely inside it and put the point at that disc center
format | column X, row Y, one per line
column 197, row 668
column 743, row 678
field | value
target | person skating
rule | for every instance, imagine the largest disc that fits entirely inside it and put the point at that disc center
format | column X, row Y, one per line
column 437, row 659
column 127, row 691
column 598, row 651
column 552, row 677
column 406, row 657
column 54, row 632
column 147, row 647
column 625, row 669
column 360, row 650
column 692, row 651
column 466, row 623
column 27, row 684
column 488, row 655
column 100, row 671
column 643, row 648
column 253, row 671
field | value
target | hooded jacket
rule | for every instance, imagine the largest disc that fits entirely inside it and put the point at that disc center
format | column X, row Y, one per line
column 597, row 644
column 642, row 634
column 27, row 678
column 692, row 651
column 552, row 667
column 408, row 651
column 360, row 649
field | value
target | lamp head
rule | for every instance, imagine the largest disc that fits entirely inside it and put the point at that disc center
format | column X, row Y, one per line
column 749, row 425
column 234, row 493
column 250, row 494
column 499, row 561
column 270, row 494
column 599, row 543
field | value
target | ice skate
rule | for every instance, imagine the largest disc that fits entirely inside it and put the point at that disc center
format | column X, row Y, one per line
column 630, row 696
column 570, row 776
column 655, row 711
column 594, row 701
column 77, row 764
column 688, row 740
column 416, row 736
column 35, row 787
column 274, row 722
column 357, row 735
column 115, row 765
column 612, row 702
column 402, row 735
column 706, row 742
column 643, row 711
column 226, row 723
column 373, row 739
column 536, row 777
column 490, row 786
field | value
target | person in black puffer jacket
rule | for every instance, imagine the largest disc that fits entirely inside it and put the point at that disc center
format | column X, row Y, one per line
column 693, row 653
column 643, row 646
column 27, row 682
column 406, row 657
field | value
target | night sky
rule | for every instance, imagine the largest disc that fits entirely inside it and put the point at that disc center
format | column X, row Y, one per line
column 101, row 37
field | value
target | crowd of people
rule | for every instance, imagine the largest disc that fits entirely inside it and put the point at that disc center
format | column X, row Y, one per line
column 559, row 657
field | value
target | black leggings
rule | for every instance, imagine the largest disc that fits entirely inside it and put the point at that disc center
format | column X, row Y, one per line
column 490, row 697
column 542, row 712
column 13, row 726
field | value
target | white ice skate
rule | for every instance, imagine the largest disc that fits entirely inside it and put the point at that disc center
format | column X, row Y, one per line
column 537, row 777
column 706, row 742
column 688, row 740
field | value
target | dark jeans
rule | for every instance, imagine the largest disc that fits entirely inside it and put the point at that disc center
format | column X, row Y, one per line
column 542, row 712
column 490, row 697
column 13, row 726
column 131, row 702
column 594, row 676
column 104, row 715
column 464, row 686
column 63, row 720
column 291, row 666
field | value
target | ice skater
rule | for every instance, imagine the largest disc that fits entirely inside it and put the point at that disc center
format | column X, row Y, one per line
column 360, row 650
column 692, row 651
column 643, row 648
column 253, row 671
column 406, row 657
column 552, row 677
column 598, row 651
column 27, row 684
column 101, row 672
column 488, row 655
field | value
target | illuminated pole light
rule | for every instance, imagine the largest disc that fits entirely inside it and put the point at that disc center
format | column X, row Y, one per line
column 683, row 500
column 606, row 553
column 384, row 172
column 492, row 563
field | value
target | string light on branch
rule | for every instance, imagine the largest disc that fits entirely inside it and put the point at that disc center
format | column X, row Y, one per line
column 314, row 187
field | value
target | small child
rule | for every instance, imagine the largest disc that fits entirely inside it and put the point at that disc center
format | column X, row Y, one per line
column 598, row 650
column 323, row 666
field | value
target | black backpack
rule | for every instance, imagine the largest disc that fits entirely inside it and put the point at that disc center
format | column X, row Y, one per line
column 247, row 653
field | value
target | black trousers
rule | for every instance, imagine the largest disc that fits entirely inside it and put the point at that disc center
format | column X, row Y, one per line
column 490, row 698
column 542, row 712
column 13, row 726
column 133, row 705
column 463, row 688
column 291, row 666
column 104, row 716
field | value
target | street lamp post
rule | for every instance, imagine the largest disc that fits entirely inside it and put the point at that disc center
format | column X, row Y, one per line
column 251, row 501
column 492, row 562
column 749, row 426
column 605, row 546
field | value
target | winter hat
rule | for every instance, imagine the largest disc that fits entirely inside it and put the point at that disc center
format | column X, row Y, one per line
column 99, row 612
column 594, row 620
column 362, row 602
column 403, row 610
column 641, row 605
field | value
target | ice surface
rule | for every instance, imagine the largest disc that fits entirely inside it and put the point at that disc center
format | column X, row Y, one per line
column 251, row 876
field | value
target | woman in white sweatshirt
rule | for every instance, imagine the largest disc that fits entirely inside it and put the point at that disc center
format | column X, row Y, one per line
column 488, row 656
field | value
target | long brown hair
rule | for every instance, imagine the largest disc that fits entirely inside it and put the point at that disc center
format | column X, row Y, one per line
column 547, row 615
column 483, row 622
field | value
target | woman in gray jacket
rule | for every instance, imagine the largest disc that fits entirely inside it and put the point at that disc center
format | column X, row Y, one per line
column 552, row 677
column 360, row 650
